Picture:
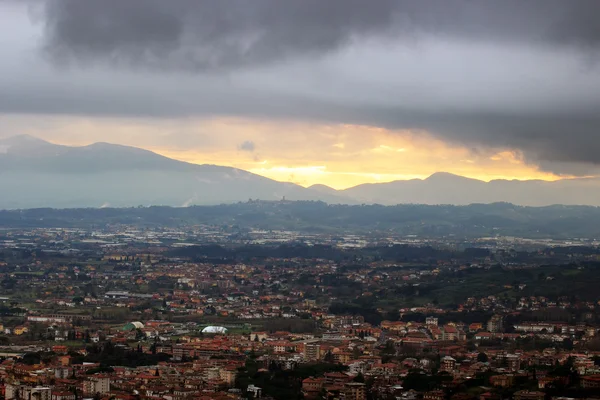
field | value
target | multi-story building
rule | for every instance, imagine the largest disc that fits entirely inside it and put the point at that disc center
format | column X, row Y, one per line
column 62, row 395
column 529, row 395
column 590, row 382
column 228, row 375
column 97, row 384
column 434, row 395
column 312, row 352
column 311, row 387
column 448, row 364
column 355, row 391
column 27, row 392
column 513, row 362
column 495, row 324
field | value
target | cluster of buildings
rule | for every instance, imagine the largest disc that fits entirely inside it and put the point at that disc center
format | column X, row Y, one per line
column 124, row 313
column 375, row 361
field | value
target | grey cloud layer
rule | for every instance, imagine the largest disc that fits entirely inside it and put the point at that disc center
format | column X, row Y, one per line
column 287, row 59
column 207, row 34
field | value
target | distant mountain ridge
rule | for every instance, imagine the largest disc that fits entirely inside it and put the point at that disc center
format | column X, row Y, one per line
column 36, row 173
column 446, row 188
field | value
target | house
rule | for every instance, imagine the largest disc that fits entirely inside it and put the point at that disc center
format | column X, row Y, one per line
column 450, row 333
column 448, row 364
column 590, row 382
column 336, row 378
column 60, row 349
column 64, row 360
column 19, row 330
column 62, row 395
column 259, row 336
column 434, row 395
column 529, row 395
column 502, row 380
column 256, row 391
column 489, row 396
column 484, row 336
column 311, row 387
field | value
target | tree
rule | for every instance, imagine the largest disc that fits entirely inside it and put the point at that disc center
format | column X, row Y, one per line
column 388, row 352
column 482, row 357
column 568, row 344
column 418, row 381
column 393, row 315
column 139, row 334
column 328, row 358
column 74, row 389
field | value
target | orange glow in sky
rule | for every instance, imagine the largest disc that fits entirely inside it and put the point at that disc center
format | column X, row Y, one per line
column 339, row 156
column 348, row 155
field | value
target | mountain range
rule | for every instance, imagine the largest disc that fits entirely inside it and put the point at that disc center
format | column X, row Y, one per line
column 35, row 173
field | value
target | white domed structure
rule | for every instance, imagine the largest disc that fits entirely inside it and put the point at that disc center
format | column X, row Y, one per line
column 214, row 329
column 130, row 326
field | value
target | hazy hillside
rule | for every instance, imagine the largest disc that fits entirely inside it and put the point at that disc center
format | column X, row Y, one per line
column 445, row 188
column 35, row 173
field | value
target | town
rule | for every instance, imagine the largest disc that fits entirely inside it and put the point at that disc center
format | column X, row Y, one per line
column 201, row 313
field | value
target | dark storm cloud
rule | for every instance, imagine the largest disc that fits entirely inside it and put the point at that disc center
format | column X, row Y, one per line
column 207, row 34
column 247, row 145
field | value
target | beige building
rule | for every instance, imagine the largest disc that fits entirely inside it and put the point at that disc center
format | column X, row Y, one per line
column 355, row 391
column 97, row 384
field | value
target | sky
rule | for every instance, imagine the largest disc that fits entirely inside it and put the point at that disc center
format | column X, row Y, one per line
column 338, row 92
